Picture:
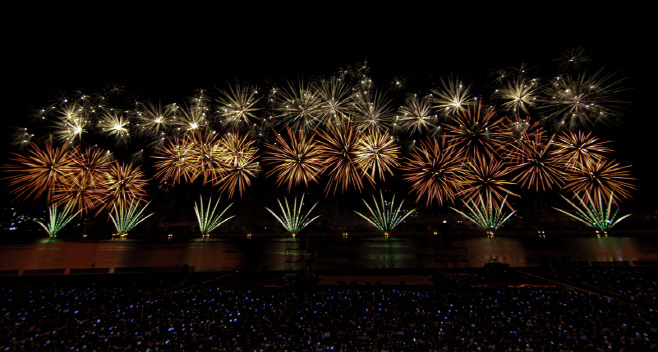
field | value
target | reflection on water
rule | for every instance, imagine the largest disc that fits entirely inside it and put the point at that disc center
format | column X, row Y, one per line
column 330, row 253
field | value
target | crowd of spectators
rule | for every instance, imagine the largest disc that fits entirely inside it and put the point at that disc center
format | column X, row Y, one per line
column 636, row 283
column 208, row 317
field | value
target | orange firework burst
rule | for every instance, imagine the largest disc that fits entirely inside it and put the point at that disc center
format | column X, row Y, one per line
column 42, row 170
column 577, row 149
column 240, row 163
column 207, row 158
column 536, row 165
column 339, row 144
column 377, row 153
column 174, row 162
column 82, row 188
column 123, row 185
column 484, row 176
column 515, row 133
column 295, row 162
column 477, row 133
column 435, row 171
column 603, row 176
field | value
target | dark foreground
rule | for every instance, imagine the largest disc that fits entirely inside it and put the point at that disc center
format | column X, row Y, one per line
column 571, row 309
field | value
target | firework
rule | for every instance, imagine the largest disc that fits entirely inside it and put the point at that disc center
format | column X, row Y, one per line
column 238, row 105
column 377, row 154
column 123, row 184
column 339, row 144
column 174, row 162
column 605, row 176
column 536, row 165
column 452, row 98
column 42, row 170
column 240, row 164
column 154, row 118
column 190, row 118
column 519, row 95
column 582, row 101
column 293, row 220
column 573, row 58
column 576, row 149
column 594, row 211
column 477, row 133
column 336, row 99
column 206, row 156
column 515, row 135
column 70, row 122
column 415, row 116
column 299, row 107
column 114, row 125
column 295, row 162
column 384, row 215
column 57, row 221
column 373, row 111
column 485, row 177
column 486, row 213
column 208, row 217
column 435, row 171
column 125, row 217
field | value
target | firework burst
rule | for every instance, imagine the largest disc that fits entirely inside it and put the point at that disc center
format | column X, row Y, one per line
column 208, row 217
column 576, row 149
column 476, row 132
column 435, row 171
column 174, row 161
column 594, row 211
column 238, row 105
column 452, row 98
column 519, row 95
column 377, row 154
column 536, row 165
column 604, row 176
column 123, row 184
column 241, row 165
column 42, row 170
column 293, row 220
column 486, row 177
column 384, row 215
column 299, row 107
column 154, row 119
column 339, row 144
column 295, row 162
column 415, row 116
column 373, row 111
column 582, row 100
column 336, row 99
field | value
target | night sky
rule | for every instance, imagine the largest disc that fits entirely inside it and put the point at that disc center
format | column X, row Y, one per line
column 166, row 52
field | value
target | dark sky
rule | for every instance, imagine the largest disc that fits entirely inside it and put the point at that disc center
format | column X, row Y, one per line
column 166, row 51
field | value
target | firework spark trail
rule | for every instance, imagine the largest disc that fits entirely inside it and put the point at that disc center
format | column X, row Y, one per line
column 208, row 217
column 57, row 220
column 594, row 211
column 126, row 217
column 485, row 212
column 293, row 220
column 384, row 215
column 295, row 162
column 435, row 171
